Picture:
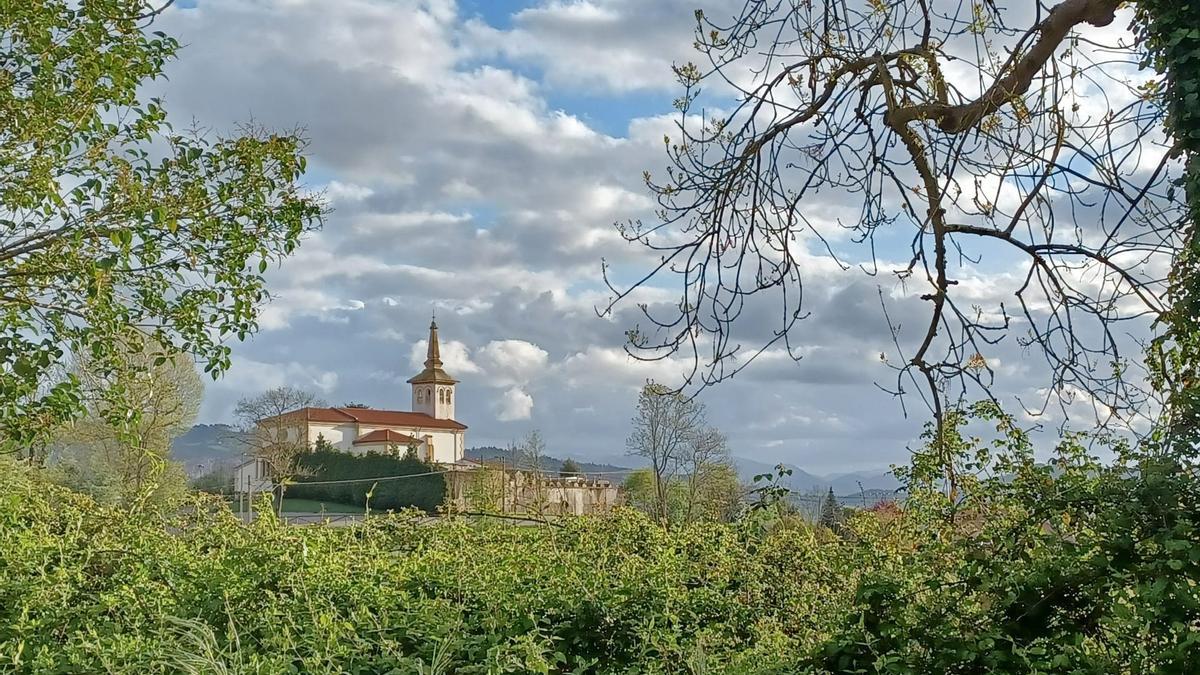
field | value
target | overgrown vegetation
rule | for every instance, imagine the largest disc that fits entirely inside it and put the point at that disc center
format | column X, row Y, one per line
column 1075, row 566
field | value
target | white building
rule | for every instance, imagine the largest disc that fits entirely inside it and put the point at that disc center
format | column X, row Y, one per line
column 251, row 476
column 429, row 427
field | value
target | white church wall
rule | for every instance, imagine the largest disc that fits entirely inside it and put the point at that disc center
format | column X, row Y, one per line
column 447, row 446
column 340, row 436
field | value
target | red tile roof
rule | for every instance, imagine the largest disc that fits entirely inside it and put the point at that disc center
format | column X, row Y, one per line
column 385, row 436
column 400, row 418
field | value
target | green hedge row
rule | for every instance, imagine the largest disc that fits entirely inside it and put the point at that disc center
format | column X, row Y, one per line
column 425, row 492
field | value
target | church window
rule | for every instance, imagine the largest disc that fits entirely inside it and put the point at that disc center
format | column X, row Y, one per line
column 420, row 396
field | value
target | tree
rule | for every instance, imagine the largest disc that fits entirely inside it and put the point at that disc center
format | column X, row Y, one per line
column 485, row 490
column 345, row 478
column 123, row 459
column 275, row 436
column 640, row 491
column 217, row 481
column 891, row 114
column 1172, row 48
column 718, row 495
column 831, row 512
column 530, row 456
column 713, row 491
column 109, row 218
column 662, row 429
column 570, row 469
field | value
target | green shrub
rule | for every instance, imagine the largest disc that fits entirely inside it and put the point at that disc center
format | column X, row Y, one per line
column 1072, row 567
column 337, row 477
column 85, row 588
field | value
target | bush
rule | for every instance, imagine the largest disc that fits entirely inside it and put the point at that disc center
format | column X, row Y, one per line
column 425, row 492
column 218, row 481
column 1072, row 567
column 87, row 589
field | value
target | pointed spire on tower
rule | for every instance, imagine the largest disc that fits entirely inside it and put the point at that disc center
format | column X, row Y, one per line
column 433, row 372
column 434, row 357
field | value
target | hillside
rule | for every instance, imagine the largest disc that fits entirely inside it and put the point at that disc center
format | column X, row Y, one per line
column 205, row 446
column 848, row 486
column 549, row 464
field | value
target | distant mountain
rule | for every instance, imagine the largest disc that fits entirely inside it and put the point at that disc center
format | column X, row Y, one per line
column 857, row 481
column 549, row 464
column 206, row 446
column 629, row 461
column 802, row 482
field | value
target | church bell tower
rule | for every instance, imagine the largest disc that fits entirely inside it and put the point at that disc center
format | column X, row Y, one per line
column 432, row 388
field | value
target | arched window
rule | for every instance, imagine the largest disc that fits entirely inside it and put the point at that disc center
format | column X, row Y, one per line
column 420, row 396
column 448, row 393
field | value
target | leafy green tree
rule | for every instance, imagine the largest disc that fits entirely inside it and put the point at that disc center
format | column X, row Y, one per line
column 109, row 218
column 1172, row 43
column 217, row 481
column 128, row 463
column 322, row 444
column 716, row 496
column 569, row 468
column 425, row 489
column 639, row 491
column 665, row 425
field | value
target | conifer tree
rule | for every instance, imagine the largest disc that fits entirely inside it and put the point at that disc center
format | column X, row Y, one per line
column 830, row 512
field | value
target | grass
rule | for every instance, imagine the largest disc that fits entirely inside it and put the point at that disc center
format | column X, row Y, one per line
column 310, row 506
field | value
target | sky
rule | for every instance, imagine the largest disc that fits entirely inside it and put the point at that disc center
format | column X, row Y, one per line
column 476, row 155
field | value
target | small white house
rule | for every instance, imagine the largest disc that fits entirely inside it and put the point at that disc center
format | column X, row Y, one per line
column 251, row 476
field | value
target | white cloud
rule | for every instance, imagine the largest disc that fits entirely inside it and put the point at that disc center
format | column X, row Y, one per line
column 458, row 181
column 455, row 355
column 613, row 45
column 515, row 404
column 340, row 193
column 510, row 362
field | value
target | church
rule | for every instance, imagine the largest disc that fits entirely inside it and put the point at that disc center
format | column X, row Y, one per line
column 430, row 426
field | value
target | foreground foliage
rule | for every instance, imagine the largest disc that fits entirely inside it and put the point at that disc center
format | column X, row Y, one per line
column 110, row 218
column 1067, row 567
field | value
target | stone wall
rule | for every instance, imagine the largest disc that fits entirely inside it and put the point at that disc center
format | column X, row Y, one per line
column 495, row 490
